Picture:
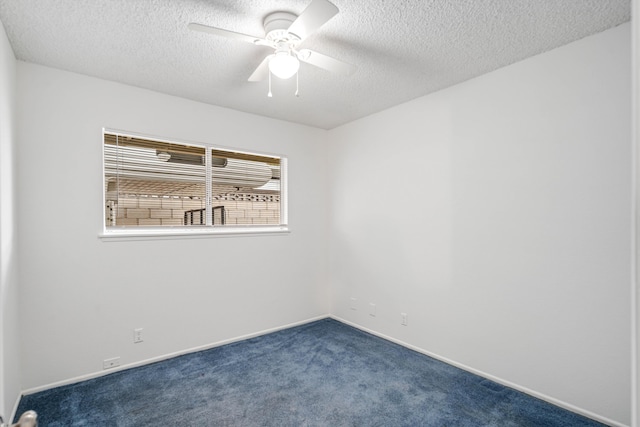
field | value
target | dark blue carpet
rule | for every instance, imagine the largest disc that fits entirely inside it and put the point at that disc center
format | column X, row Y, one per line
column 321, row 374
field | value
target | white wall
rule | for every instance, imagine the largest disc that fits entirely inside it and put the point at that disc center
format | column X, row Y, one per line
column 635, row 290
column 9, row 332
column 497, row 215
column 83, row 297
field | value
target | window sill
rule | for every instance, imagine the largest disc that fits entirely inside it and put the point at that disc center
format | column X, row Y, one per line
column 174, row 233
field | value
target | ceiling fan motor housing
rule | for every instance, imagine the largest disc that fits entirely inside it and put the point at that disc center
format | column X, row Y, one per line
column 276, row 25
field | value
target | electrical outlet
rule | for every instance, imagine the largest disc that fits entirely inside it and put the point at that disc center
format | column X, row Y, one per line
column 352, row 301
column 137, row 335
column 372, row 309
column 404, row 319
column 111, row 363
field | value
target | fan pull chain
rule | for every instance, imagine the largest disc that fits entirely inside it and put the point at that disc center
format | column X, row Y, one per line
column 270, row 95
column 297, row 84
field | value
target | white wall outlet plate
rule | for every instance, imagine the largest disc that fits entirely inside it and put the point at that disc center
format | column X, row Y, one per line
column 111, row 363
column 137, row 335
column 404, row 319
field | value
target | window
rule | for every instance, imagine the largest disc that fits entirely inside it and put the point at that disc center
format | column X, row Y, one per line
column 153, row 186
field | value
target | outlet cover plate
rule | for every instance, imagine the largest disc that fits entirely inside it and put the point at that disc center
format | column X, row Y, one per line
column 137, row 335
column 111, row 363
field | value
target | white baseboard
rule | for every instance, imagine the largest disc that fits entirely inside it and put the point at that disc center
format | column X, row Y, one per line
column 506, row 383
column 14, row 410
column 165, row 357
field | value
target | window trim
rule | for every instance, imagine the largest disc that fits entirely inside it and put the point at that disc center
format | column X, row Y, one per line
column 180, row 232
column 175, row 233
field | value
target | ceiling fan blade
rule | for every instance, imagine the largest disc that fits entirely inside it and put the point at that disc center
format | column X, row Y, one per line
column 325, row 62
column 262, row 71
column 225, row 33
column 312, row 18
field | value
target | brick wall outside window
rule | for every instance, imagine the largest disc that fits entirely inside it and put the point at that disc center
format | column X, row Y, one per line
column 240, row 209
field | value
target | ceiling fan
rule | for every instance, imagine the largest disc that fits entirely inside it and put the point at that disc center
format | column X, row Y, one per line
column 284, row 32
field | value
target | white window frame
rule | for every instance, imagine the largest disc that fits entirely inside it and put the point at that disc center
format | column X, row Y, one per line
column 181, row 232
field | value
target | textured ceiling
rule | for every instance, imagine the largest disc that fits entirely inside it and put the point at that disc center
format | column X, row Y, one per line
column 403, row 49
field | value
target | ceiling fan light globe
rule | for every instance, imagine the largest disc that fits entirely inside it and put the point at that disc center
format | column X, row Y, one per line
column 284, row 65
